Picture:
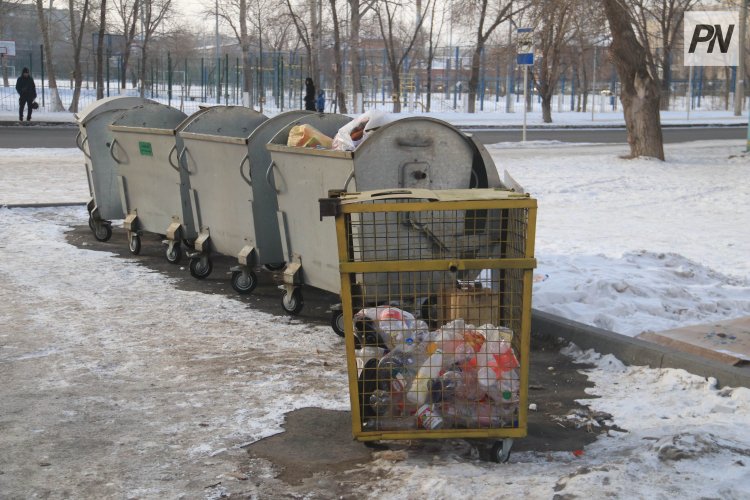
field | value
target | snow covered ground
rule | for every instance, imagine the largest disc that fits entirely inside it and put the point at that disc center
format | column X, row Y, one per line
column 629, row 245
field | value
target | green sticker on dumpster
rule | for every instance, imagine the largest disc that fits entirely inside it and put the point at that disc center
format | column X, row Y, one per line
column 145, row 148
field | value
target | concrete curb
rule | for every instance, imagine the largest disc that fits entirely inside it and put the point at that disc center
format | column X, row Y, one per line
column 633, row 351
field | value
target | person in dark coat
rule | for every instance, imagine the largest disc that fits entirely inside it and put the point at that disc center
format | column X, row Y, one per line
column 321, row 102
column 309, row 94
column 26, row 94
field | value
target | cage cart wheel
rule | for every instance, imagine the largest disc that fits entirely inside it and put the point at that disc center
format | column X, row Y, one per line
column 201, row 268
column 102, row 231
column 337, row 322
column 292, row 303
column 134, row 244
column 174, row 255
column 500, row 451
column 275, row 267
column 244, row 283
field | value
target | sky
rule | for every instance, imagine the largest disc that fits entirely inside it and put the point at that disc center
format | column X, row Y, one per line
column 632, row 246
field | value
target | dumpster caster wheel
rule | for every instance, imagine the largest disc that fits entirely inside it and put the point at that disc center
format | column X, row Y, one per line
column 102, row 231
column 337, row 322
column 134, row 244
column 275, row 267
column 174, row 253
column 244, row 282
column 201, row 268
column 500, row 451
column 292, row 304
column 91, row 222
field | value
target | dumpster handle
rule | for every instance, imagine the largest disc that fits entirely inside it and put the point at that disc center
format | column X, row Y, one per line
column 268, row 176
column 348, row 180
column 179, row 158
column 112, row 151
column 249, row 178
column 176, row 167
column 80, row 144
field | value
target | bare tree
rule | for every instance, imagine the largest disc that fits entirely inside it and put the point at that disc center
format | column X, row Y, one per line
column 357, row 11
column 640, row 88
column 154, row 13
column 399, row 39
column 484, row 16
column 76, row 35
column 6, row 8
column 659, row 25
column 128, row 11
column 553, row 36
column 437, row 21
column 304, row 31
column 100, row 49
column 338, row 85
column 589, row 26
column 55, row 101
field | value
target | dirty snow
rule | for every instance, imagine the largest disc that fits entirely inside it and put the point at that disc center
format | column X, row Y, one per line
column 628, row 245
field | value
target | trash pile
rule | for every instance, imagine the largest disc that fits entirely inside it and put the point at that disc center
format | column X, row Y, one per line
column 347, row 138
column 458, row 376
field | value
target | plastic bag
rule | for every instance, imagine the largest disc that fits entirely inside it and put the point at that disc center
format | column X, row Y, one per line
column 353, row 133
column 307, row 136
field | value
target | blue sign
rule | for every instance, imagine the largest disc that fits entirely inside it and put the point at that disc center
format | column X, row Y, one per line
column 525, row 46
column 525, row 59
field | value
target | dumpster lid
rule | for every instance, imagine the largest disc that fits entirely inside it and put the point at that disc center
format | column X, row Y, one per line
column 108, row 104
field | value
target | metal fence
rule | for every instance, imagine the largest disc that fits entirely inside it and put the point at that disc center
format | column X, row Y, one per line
column 278, row 82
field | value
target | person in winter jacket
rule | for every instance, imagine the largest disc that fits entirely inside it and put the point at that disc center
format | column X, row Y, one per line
column 26, row 94
column 309, row 94
column 321, row 102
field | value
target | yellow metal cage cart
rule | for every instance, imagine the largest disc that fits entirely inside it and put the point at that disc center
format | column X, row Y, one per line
column 436, row 293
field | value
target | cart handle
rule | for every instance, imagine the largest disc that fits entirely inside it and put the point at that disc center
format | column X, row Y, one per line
column 268, row 176
column 169, row 157
column 249, row 177
column 348, row 180
column 80, row 144
column 112, row 151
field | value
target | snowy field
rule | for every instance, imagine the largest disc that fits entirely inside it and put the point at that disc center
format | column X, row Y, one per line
column 632, row 246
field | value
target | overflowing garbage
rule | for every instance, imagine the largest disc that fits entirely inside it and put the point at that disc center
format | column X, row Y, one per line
column 456, row 376
column 347, row 138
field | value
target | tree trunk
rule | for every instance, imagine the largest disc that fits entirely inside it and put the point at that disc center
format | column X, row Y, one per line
column 100, row 51
column 546, row 106
column 474, row 75
column 338, row 77
column 354, row 6
column 396, row 94
column 55, row 101
column 640, row 93
column 666, row 80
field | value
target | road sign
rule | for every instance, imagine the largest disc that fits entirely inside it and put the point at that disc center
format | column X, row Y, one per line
column 525, row 46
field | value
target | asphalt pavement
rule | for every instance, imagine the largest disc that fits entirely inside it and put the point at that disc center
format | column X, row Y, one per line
column 62, row 135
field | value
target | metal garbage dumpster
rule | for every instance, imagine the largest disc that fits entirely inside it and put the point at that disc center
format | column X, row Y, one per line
column 154, row 190
column 412, row 152
column 234, row 207
column 301, row 176
column 94, row 139
column 464, row 372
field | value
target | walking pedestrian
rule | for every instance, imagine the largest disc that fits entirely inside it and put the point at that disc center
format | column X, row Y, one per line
column 309, row 94
column 26, row 94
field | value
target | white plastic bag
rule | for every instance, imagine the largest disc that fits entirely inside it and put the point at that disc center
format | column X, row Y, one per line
column 353, row 133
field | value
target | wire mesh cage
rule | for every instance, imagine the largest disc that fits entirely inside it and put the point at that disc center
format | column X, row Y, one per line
column 436, row 291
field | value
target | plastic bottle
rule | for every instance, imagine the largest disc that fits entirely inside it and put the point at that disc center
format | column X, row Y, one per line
column 430, row 369
column 429, row 417
column 472, row 415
